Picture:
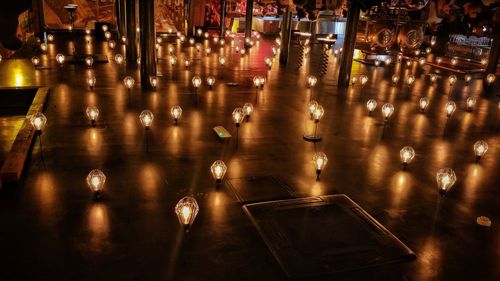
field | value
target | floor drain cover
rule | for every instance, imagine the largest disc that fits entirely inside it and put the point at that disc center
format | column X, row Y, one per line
column 259, row 189
column 320, row 236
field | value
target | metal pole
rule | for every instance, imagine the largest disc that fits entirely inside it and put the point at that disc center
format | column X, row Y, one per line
column 130, row 9
column 286, row 33
column 349, row 41
column 248, row 19
column 148, row 42
column 222, row 18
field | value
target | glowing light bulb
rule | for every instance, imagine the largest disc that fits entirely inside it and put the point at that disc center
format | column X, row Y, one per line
column 400, row 57
column 218, row 170
column 222, row 61
column 388, row 61
column 35, row 61
column 198, row 47
column 406, row 154
column 395, row 79
column 262, row 81
column 371, row 105
column 454, row 61
column 159, row 40
column 490, row 78
column 278, row 41
column 452, row 79
column 111, row 44
column 186, row 210
column 210, row 81
column 377, row 62
column 445, row 178
column 318, row 113
column 146, row 118
column 128, row 82
column 153, row 81
column 124, row 39
column 173, row 60
column 43, row 47
column 107, row 34
column 439, row 60
column 354, row 79
column 433, row 78
column 208, row 50
column 105, row 28
column 320, row 160
column 238, row 116
column 428, row 50
column 38, row 121
column 187, row 63
column 417, row 52
column 91, row 81
column 222, row 42
column 243, row 52
column 387, row 111
column 433, row 40
column 216, row 40
column 171, row 49
column 256, row 81
column 95, row 182
column 421, row 61
column 410, row 79
column 248, row 109
column 480, row 148
column 89, row 61
column 467, row 78
column 207, row 35
column 269, row 62
column 196, row 82
column 119, row 59
column 311, row 106
column 423, row 103
column 191, row 41
column 311, row 81
column 176, row 112
column 450, row 108
column 471, row 101
column 60, row 59
column 363, row 79
column 50, row 38
column 408, row 63
column 92, row 114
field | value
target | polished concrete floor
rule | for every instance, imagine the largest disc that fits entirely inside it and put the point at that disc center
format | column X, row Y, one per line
column 51, row 229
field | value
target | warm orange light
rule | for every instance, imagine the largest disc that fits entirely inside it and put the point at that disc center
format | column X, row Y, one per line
column 480, row 148
column 406, row 154
column 95, row 181
column 38, row 121
column 92, row 114
column 387, row 111
column 218, row 170
column 146, row 118
column 186, row 210
column 320, row 160
column 471, row 101
column 176, row 112
column 445, row 178
column 450, row 107
column 371, row 105
column 423, row 103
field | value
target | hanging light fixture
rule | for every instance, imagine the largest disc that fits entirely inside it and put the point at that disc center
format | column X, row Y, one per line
column 171, row 49
column 129, row 82
column 91, row 81
column 60, row 59
column 471, row 101
column 406, row 154
column 153, row 81
column 445, row 178
column 196, row 82
column 186, row 210
column 146, row 118
column 395, row 79
column 450, row 108
column 257, row 82
column 318, row 113
column 387, row 111
column 490, row 78
column 371, row 105
column 248, row 109
column 118, row 59
column 124, row 39
column 421, row 61
column 388, row 61
column 439, row 60
column 480, row 148
column 311, row 81
column 320, row 160
column 38, row 121
column 35, row 61
column 92, row 114
column 423, row 103
column 159, row 40
column 354, row 79
column 198, row 47
column 269, row 62
column 95, row 181
column 176, row 112
column 210, row 81
column 218, row 170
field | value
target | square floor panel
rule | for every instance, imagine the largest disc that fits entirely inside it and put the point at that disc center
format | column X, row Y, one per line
column 320, row 236
column 259, row 189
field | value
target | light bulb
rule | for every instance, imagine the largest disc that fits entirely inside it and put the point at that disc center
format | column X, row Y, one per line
column 248, row 109
column 311, row 106
column 452, row 79
column 222, row 42
column 218, row 170
column 199, row 32
column 408, row 63
column 191, row 41
column 423, row 103
column 198, row 47
column 173, row 60
column 238, row 116
column 50, row 38
column 454, row 61
column 89, row 61
column 490, row 78
column 428, row 50
column 318, row 113
column 256, row 81
column 311, row 81
column 320, row 160
column 43, row 47
column 216, row 40
column 104, row 28
column 146, row 118
column 119, row 59
column 395, row 79
column 433, row 40
column 87, row 31
column 153, row 81
column 187, row 63
column 410, row 79
column 35, row 61
column 278, row 41
column 377, row 62
column 406, row 154
column 95, row 182
column 210, row 81
column 387, row 111
column 91, row 81
column 268, row 61
column 421, row 61
column 186, row 210
column 60, row 59
column 207, row 35
column 92, row 114
column 371, row 105
column 400, row 57
column 208, row 50
column 176, row 112
column 450, row 108
column 433, row 78
column 196, row 82
column 480, row 148
column 467, row 78
column 171, row 49
column 222, row 61
column 159, row 40
column 354, row 79
column 417, row 52
column 128, row 82
column 124, row 39
column 388, row 61
column 262, row 81
column 38, row 121
column 471, row 101
column 363, row 79
column 445, row 178
column 439, row 60
column 484, row 61
column 107, row 34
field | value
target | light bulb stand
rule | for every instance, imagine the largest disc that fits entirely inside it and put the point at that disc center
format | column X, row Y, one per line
column 176, row 121
column 318, row 174
column 237, row 133
column 383, row 128
column 314, row 137
column 311, row 95
column 405, row 166
column 97, row 195
column 247, row 118
column 218, row 183
column 146, row 132
column 370, row 112
column 478, row 158
column 446, row 124
column 450, row 91
column 222, row 72
column 38, row 133
column 93, row 123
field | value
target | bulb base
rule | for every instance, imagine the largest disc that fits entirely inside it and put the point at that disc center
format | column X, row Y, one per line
column 478, row 158
column 97, row 195
column 443, row 192
column 93, row 123
column 318, row 174
column 405, row 166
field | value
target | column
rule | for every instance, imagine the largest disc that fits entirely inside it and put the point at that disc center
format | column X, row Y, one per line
column 248, row 19
column 286, row 34
column 222, row 18
column 121, row 19
column 148, row 41
column 491, row 67
column 349, row 41
column 130, row 9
